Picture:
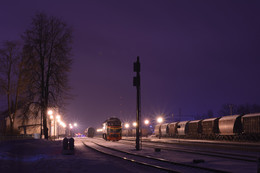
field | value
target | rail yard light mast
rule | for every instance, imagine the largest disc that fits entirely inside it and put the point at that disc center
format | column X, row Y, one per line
column 127, row 125
column 136, row 83
column 159, row 120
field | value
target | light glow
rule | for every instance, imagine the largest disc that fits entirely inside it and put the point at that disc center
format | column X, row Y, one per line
column 126, row 125
column 134, row 124
column 99, row 130
column 159, row 119
column 146, row 122
column 50, row 112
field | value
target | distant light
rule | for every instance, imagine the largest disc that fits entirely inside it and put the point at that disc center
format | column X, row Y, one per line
column 134, row 124
column 75, row 124
column 50, row 112
column 58, row 117
column 160, row 120
column 126, row 125
column 51, row 117
column 71, row 127
column 99, row 130
column 146, row 122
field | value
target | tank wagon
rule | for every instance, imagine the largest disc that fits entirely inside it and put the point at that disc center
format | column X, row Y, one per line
column 112, row 129
column 90, row 132
column 232, row 127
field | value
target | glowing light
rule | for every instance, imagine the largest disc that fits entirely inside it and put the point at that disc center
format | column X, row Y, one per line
column 75, row 124
column 134, row 124
column 99, row 130
column 51, row 117
column 50, row 112
column 126, row 125
column 146, row 122
column 71, row 127
column 58, row 117
column 160, row 120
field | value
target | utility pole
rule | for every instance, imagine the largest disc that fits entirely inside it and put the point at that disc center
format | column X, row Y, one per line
column 138, row 100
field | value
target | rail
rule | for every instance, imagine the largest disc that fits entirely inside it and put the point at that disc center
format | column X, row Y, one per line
column 158, row 160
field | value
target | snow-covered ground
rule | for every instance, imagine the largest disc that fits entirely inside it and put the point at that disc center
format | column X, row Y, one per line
column 46, row 156
column 224, row 164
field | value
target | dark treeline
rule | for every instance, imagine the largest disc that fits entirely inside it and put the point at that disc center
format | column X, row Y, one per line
column 34, row 71
column 231, row 109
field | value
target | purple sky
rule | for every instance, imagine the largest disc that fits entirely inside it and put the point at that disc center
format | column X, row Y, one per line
column 195, row 55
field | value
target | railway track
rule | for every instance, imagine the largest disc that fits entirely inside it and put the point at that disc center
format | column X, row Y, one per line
column 156, row 163
column 232, row 156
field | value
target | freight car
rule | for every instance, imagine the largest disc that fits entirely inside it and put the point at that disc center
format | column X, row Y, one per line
column 210, row 128
column 165, row 130
column 157, row 130
column 173, row 129
column 145, row 132
column 112, row 129
column 90, row 132
column 195, row 129
column 183, row 129
column 230, row 127
column 251, row 126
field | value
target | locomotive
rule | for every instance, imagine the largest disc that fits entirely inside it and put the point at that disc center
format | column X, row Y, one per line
column 232, row 127
column 112, row 129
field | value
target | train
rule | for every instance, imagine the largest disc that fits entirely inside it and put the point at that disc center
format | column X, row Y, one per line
column 144, row 132
column 112, row 129
column 231, row 127
column 90, row 132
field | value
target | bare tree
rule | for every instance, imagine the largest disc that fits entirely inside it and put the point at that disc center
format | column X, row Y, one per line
column 11, row 75
column 47, row 43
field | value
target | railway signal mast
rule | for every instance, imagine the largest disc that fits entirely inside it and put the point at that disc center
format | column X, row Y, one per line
column 136, row 83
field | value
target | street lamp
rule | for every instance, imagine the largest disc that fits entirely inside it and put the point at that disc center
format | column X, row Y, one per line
column 127, row 125
column 146, row 122
column 71, row 127
column 134, row 124
column 159, row 119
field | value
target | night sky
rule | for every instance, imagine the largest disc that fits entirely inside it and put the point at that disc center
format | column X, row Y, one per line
column 195, row 55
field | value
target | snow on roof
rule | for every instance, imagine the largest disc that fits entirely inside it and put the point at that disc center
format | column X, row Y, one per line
column 230, row 117
column 252, row 115
column 195, row 121
column 209, row 119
